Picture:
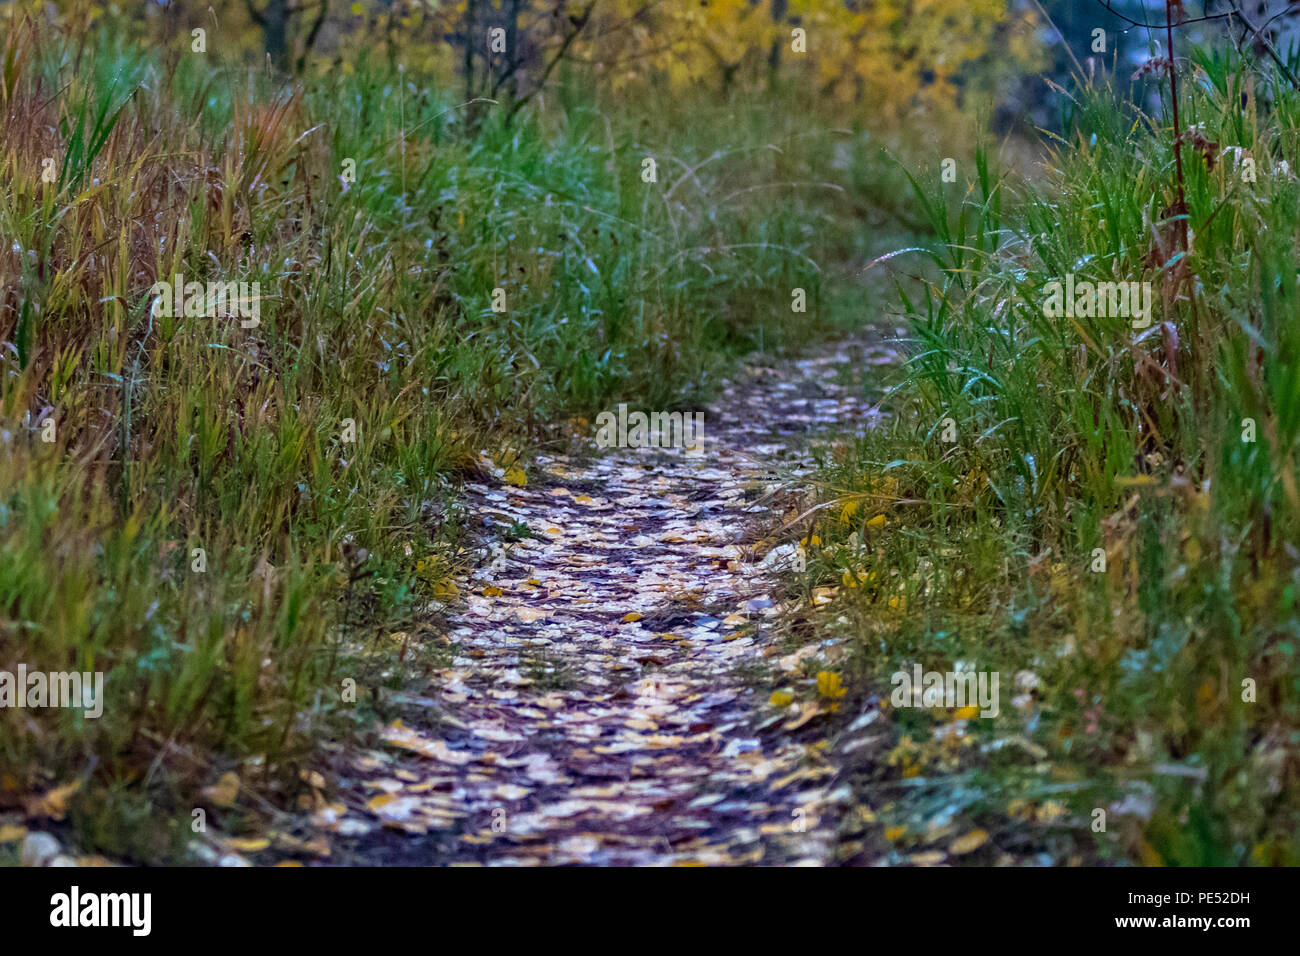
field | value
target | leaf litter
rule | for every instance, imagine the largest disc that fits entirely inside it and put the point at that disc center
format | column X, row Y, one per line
column 593, row 712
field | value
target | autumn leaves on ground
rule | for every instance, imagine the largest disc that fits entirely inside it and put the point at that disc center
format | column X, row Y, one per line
column 364, row 587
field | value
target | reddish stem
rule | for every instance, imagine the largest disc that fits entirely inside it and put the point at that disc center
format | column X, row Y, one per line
column 1178, row 133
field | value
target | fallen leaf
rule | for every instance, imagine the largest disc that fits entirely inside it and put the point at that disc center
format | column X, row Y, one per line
column 806, row 713
column 969, row 842
column 224, row 792
column 54, row 803
column 247, row 844
column 828, row 685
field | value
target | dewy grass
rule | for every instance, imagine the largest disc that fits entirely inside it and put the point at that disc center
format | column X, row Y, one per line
column 1106, row 514
column 219, row 514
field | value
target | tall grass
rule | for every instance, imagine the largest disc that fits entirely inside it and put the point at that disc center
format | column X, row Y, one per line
column 179, row 435
column 1163, row 688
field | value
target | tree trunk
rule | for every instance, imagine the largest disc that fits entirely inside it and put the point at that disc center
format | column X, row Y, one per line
column 275, row 33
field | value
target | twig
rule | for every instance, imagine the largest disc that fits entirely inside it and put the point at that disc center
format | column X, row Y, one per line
column 1204, row 18
column 580, row 22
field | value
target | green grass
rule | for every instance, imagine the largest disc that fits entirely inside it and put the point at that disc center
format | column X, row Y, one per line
column 1081, row 434
column 176, row 435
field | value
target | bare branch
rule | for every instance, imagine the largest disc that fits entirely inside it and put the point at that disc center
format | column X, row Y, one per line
column 1203, row 18
column 579, row 24
column 321, row 13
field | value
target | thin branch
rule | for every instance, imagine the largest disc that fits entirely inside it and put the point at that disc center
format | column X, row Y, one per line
column 1234, row 11
column 1256, row 34
column 1203, row 18
column 311, row 35
column 580, row 22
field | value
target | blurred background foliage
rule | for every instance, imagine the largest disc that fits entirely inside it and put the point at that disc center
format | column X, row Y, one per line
column 889, row 59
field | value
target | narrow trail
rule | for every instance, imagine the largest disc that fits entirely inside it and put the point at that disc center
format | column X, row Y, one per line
column 608, row 700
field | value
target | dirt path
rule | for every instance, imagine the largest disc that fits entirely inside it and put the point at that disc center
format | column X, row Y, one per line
column 609, row 698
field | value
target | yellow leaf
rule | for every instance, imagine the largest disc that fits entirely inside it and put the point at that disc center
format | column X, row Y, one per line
column 54, row 803
column 806, row 713
column 1051, row 811
column 515, row 476
column 248, row 844
column 224, row 791
column 632, row 616
column 781, row 698
column 893, row 833
column 1205, row 697
column 11, row 833
column 585, row 500
column 828, row 685
column 848, row 511
column 822, row 595
column 491, row 591
column 312, row 778
column 969, row 843
column 966, row 713
column 877, row 522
